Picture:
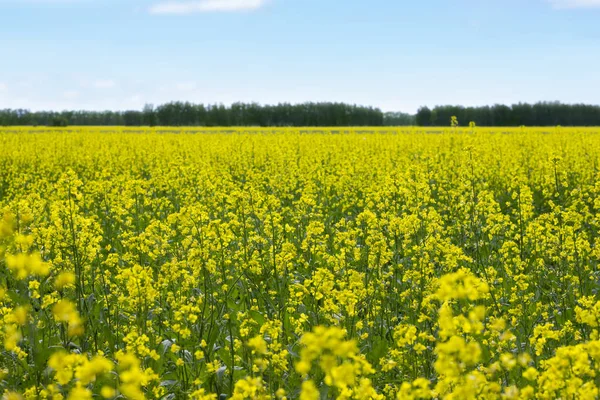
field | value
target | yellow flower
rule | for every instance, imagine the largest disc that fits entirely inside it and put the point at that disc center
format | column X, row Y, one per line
column 65, row 311
column 530, row 374
column 107, row 392
column 258, row 345
column 79, row 393
column 64, row 280
column 309, row 391
column 12, row 396
column 24, row 265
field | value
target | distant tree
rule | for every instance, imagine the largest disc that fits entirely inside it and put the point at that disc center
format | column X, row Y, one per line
column 424, row 116
column 59, row 120
column 398, row 119
column 149, row 115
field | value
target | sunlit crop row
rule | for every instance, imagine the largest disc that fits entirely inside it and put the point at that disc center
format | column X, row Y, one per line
column 341, row 263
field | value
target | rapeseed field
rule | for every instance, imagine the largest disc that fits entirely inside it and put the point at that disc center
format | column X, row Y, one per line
column 289, row 263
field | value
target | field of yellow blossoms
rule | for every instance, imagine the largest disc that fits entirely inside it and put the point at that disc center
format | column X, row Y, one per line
column 398, row 263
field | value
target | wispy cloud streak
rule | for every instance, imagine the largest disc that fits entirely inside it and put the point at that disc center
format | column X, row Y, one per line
column 203, row 6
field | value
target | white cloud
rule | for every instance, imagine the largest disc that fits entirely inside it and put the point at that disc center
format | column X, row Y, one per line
column 104, row 84
column 43, row 2
column 3, row 87
column 199, row 6
column 575, row 3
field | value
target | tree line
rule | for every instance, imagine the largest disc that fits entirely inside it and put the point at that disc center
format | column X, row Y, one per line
column 539, row 114
column 189, row 114
column 313, row 114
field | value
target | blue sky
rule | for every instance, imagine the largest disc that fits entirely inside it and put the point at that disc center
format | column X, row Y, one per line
column 396, row 55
